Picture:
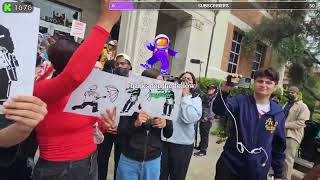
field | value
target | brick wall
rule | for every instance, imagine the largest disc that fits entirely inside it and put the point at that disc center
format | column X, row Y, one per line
column 227, row 47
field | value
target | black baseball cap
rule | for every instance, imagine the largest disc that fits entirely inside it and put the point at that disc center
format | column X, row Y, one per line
column 212, row 86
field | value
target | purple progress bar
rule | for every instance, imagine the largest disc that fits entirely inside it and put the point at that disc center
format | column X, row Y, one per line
column 121, row 5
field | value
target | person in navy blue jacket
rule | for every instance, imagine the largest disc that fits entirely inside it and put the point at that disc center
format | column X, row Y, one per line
column 257, row 139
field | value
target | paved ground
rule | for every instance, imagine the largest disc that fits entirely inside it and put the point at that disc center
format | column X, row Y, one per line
column 203, row 168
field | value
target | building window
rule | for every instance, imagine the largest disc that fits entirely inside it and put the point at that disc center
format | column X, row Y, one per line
column 235, row 52
column 259, row 56
column 57, row 13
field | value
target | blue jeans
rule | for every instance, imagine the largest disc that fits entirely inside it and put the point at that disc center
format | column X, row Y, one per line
column 129, row 169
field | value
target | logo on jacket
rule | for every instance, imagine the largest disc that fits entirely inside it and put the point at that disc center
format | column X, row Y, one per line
column 271, row 125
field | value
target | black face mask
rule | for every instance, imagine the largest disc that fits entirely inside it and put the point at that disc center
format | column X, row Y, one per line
column 291, row 97
column 121, row 71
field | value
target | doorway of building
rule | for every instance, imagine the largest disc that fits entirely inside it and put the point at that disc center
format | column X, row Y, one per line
column 174, row 25
column 167, row 25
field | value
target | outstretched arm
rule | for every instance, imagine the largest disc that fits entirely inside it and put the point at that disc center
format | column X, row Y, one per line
column 82, row 61
column 150, row 46
column 173, row 53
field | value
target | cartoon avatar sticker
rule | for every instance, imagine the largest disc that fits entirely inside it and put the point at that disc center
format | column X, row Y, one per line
column 8, row 64
column 161, row 51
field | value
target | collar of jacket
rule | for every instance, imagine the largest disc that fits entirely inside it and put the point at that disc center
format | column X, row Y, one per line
column 274, row 107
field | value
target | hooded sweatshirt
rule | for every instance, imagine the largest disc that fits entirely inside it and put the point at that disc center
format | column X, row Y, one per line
column 254, row 131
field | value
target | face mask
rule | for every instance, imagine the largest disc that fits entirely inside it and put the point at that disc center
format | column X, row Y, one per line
column 121, row 71
column 291, row 97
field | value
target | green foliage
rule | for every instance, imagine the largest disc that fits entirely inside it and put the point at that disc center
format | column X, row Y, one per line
column 306, row 98
column 296, row 74
column 278, row 92
column 205, row 82
column 242, row 91
column 316, row 116
column 219, row 131
column 292, row 49
column 294, row 37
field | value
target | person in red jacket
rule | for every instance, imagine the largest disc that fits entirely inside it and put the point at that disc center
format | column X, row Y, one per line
column 66, row 140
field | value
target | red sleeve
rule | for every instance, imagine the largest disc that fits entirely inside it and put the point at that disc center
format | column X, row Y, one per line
column 77, row 70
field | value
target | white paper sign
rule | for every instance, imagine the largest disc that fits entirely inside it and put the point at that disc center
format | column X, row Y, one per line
column 131, row 94
column 18, row 50
column 78, row 29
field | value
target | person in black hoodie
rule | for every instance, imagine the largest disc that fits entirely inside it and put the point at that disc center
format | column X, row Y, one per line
column 141, row 145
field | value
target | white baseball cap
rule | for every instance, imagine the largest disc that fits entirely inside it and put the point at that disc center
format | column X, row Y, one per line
column 125, row 56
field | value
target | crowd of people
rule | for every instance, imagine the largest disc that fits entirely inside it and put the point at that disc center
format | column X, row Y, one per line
column 263, row 135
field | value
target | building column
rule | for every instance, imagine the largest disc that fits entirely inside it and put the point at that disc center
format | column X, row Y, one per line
column 136, row 28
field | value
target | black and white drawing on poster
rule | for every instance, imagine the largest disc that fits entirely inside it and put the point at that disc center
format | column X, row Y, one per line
column 169, row 104
column 130, row 94
column 134, row 96
column 18, row 49
column 160, row 98
column 97, row 94
column 91, row 98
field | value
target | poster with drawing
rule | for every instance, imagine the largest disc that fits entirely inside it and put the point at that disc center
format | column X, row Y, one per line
column 97, row 94
column 102, row 91
column 18, row 50
column 157, row 98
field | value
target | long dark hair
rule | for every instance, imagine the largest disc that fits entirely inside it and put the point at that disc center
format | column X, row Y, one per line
column 60, row 53
column 194, row 90
column 151, row 73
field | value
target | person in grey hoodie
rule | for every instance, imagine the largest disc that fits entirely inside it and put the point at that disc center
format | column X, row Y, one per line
column 177, row 150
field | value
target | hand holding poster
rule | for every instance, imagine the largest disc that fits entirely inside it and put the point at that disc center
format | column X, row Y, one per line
column 102, row 91
column 18, row 49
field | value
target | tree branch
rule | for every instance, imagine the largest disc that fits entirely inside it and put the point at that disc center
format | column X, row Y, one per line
column 312, row 57
column 310, row 91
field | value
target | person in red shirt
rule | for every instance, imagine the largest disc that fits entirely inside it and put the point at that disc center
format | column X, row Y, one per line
column 66, row 140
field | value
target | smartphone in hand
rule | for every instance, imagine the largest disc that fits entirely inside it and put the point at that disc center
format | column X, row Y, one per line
column 233, row 80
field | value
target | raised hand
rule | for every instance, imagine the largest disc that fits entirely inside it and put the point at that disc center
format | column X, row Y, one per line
column 107, row 17
column 142, row 118
column 108, row 118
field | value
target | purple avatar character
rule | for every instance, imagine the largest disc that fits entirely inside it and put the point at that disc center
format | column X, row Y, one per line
column 161, row 51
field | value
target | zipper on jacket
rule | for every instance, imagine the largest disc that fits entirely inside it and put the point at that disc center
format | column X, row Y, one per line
column 145, row 146
column 257, row 126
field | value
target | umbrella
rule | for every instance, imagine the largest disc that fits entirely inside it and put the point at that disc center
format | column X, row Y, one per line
column 113, row 92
